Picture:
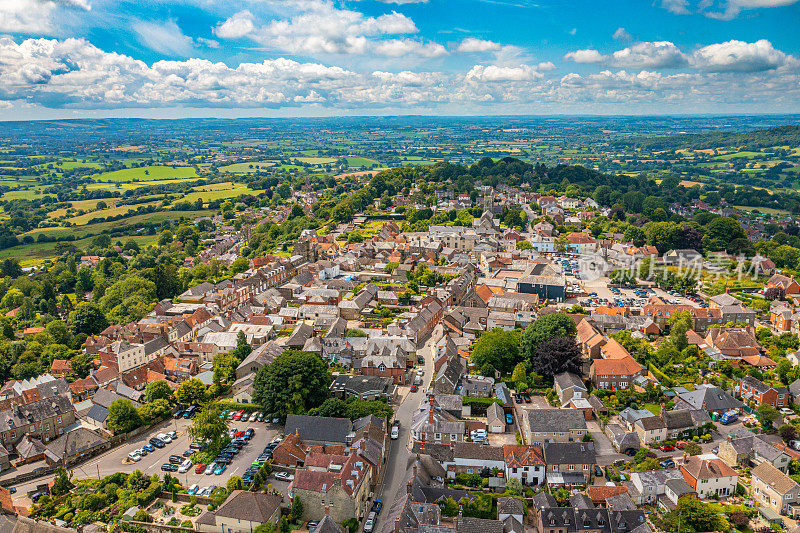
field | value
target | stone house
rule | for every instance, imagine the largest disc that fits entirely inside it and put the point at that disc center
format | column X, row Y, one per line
column 774, row 489
column 242, row 512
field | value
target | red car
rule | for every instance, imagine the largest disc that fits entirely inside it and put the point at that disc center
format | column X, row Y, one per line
column 239, row 434
column 681, row 444
column 666, row 447
column 200, row 468
column 414, row 387
column 238, row 415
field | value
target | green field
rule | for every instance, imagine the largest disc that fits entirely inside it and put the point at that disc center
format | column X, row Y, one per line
column 317, row 160
column 33, row 254
column 213, row 192
column 357, row 162
column 765, row 210
column 147, row 173
column 83, row 219
column 245, row 168
column 739, row 155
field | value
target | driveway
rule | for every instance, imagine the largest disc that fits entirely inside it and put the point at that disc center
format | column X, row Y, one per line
column 606, row 454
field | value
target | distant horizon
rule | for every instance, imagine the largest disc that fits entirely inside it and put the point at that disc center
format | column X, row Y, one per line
column 409, row 115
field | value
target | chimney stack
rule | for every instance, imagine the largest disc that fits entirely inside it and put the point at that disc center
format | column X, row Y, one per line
column 396, row 524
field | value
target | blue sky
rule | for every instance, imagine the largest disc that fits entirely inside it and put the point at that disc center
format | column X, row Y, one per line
column 86, row 58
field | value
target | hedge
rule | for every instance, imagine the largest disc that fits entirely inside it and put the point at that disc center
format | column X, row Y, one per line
column 237, row 406
column 473, row 400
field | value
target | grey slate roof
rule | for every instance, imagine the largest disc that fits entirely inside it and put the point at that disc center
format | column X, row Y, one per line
column 569, row 453
column 319, row 428
column 556, row 420
column 710, row 398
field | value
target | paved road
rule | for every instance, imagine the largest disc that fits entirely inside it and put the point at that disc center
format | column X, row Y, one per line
column 399, row 454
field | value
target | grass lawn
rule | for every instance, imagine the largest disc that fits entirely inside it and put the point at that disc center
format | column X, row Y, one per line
column 28, row 194
column 147, row 173
column 653, row 408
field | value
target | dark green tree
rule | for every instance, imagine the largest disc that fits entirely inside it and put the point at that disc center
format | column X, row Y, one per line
column 293, row 383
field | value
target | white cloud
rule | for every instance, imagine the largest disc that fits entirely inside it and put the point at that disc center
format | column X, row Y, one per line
column 471, row 45
column 720, row 9
column 210, row 43
column 679, row 7
column 622, row 35
column 237, row 26
column 497, row 73
column 740, row 56
column 75, row 74
column 401, row 2
column 404, row 47
column 36, row 16
column 585, row 56
column 318, row 27
column 660, row 54
column 164, row 37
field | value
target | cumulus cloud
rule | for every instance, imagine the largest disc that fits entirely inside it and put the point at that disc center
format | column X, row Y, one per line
column 660, row 54
column 679, row 7
column 163, row 37
column 35, row 16
column 585, row 56
column 75, row 74
column 237, row 26
column 740, row 56
column 316, row 27
column 622, row 35
column 499, row 73
column 471, row 44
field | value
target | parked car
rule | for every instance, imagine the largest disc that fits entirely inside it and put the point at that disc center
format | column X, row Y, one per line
column 175, row 459
column 178, row 413
column 189, row 453
column 163, row 437
column 185, row 466
column 261, row 416
column 250, row 433
column 311, row 525
column 666, row 447
column 158, row 443
column 134, row 456
column 509, row 420
column 598, row 471
column 667, row 463
column 199, row 469
column 395, row 433
column 377, row 506
column 141, row 451
column 172, row 435
column 193, row 489
column 197, row 446
column 169, row 467
column 786, row 411
column 284, row 476
column 414, row 387
column 149, row 448
column 681, row 444
column 219, row 469
column 210, row 469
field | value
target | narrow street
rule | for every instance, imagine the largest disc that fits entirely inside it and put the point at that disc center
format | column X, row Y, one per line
column 399, row 454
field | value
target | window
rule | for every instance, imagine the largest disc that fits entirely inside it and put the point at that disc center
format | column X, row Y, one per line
column 571, row 468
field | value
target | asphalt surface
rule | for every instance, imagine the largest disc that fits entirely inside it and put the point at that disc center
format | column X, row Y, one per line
column 399, row 454
column 116, row 459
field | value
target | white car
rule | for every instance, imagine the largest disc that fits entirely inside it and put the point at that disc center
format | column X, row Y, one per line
column 786, row 411
column 185, row 466
column 420, row 371
column 172, row 435
column 284, row 476
column 395, row 432
column 134, row 456
column 210, row 469
column 164, row 437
